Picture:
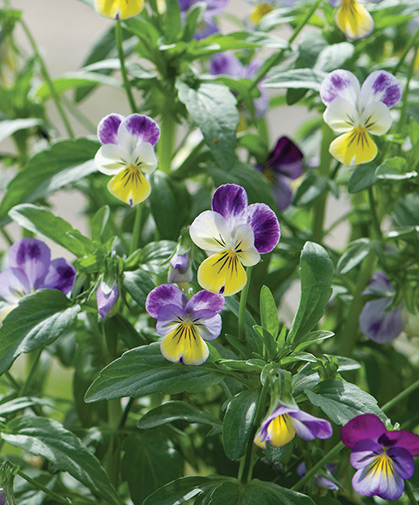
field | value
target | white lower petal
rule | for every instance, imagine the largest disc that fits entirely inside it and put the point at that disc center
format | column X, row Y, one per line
column 210, row 232
column 111, row 159
column 341, row 115
column 376, row 118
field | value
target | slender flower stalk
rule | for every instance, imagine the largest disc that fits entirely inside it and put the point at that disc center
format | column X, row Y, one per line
column 121, row 55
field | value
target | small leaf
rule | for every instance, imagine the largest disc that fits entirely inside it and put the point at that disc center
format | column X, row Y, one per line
column 394, row 169
column 297, row 78
column 362, row 177
column 269, row 312
column 354, row 254
column 311, row 188
column 10, row 126
column 138, row 284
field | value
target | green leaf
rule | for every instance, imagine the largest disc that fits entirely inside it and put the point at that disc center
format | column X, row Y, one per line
column 311, row 188
column 212, row 107
column 259, row 492
column 305, row 78
column 316, row 270
column 138, row 284
column 269, row 312
column 353, row 255
column 23, row 403
column 334, row 56
column 314, row 337
column 177, row 411
column 194, row 17
column 38, row 320
column 48, row 438
column 252, row 337
column 154, row 257
column 172, row 23
column 10, row 126
column 74, row 80
column 362, row 177
column 238, row 423
column 394, row 169
column 342, row 401
column 144, row 370
column 41, row 220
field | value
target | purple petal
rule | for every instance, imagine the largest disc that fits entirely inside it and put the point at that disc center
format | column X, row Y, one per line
column 281, row 192
column 209, row 328
column 205, row 305
column 206, row 28
column 180, row 270
column 364, row 452
column 301, row 469
column 325, row 483
column 251, row 69
column 381, row 86
column 225, row 64
column 215, row 7
column 335, row 3
column 61, row 275
column 13, row 285
column 33, row 257
column 261, row 103
column 403, row 461
column 378, row 324
column 286, row 158
column 108, row 128
column 180, row 262
column 229, row 200
column 309, row 427
column 379, row 283
column 105, row 303
column 265, row 227
column 369, row 482
column 164, row 295
column 170, row 316
column 401, row 438
column 185, row 4
column 339, row 84
column 142, row 127
column 365, row 426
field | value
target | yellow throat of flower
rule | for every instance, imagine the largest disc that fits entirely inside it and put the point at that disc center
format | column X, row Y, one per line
column 280, row 431
column 130, row 186
column 383, row 464
column 259, row 12
column 354, row 147
column 184, row 343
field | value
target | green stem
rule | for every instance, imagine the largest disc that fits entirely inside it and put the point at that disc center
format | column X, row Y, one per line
column 275, row 59
column 43, row 488
column 77, row 114
column 167, row 140
column 401, row 396
column 28, row 382
column 406, row 91
column 7, row 236
column 410, row 44
column 121, row 55
column 48, row 80
column 125, row 413
column 242, row 306
column 375, row 220
column 136, row 231
column 409, row 492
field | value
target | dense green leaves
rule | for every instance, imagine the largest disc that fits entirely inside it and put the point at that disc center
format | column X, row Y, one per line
column 138, row 284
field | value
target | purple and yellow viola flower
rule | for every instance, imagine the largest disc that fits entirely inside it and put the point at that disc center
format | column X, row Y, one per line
column 127, row 153
column 106, row 298
column 376, row 322
column 185, row 324
column 281, row 426
column 319, row 479
column 234, row 235
column 119, row 9
column 285, row 163
column 208, row 25
column 180, row 270
column 358, row 112
column 383, row 459
column 353, row 18
column 31, row 269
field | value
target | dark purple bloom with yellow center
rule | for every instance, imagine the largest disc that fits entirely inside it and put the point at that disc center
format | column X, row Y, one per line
column 31, row 269
column 185, row 324
column 383, row 459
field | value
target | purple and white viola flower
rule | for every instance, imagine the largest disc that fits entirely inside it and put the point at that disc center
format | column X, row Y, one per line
column 208, row 25
column 185, row 324
column 319, row 479
column 128, row 154
column 285, row 163
column 353, row 18
column 106, row 298
column 281, row 426
column 228, row 64
column 31, row 269
column 358, row 112
column 383, row 459
column 376, row 322
column 234, row 234
column 180, row 270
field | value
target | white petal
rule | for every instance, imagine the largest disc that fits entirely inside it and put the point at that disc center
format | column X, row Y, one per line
column 244, row 241
column 111, row 159
column 376, row 118
column 341, row 115
column 380, row 86
column 144, row 157
column 210, row 232
column 126, row 139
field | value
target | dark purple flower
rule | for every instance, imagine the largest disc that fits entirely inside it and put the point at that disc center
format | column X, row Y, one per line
column 106, row 298
column 321, row 480
column 208, row 26
column 31, row 269
column 383, row 459
column 184, row 323
column 377, row 323
column 180, row 269
column 280, row 427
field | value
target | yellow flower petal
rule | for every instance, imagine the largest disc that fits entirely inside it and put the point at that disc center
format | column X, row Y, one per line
column 259, row 12
column 258, row 441
column 119, row 9
column 280, row 431
column 354, row 20
column 354, row 147
column 184, row 343
column 222, row 269
column 130, row 186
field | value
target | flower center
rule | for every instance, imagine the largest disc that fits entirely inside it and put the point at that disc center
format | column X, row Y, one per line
column 383, row 464
column 280, row 430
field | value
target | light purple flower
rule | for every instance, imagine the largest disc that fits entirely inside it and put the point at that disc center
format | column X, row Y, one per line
column 321, row 480
column 180, row 269
column 106, row 299
column 233, row 234
column 31, row 269
column 208, row 26
column 185, row 324
column 383, row 459
column 376, row 322
column 281, row 426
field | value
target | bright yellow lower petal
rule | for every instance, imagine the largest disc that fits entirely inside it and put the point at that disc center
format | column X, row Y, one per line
column 184, row 344
column 354, row 20
column 354, row 147
column 258, row 441
column 222, row 270
column 259, row 12
column 280, row 431
column 130, row 186
column 119, row 9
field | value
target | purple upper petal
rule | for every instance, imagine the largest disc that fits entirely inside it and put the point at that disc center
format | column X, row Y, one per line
column 379, row 283
column 13, row 285
column 108, row 128
column 378, row 324
column 381, row 86
column 401, row 438
column 309, row 427
column 206, row 28
column 364, row 426
column 142, row 127
column 205, row 305
column 33, row 257
column 339, row 84
column 265, row 227
column 229, row 200
column 105, row 303
column 226, row 64
column 61, row 275
column 286, row 158
column 164, row 295
column 185, row 4
column 215, row 7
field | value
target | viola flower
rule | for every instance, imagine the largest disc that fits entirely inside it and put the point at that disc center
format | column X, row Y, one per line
column 284, row 163
column 185, row 324
column 376, row 322
column 280, row 427
column 358, row 112
column 319, row 479
column 208, row 25
column 180, row 269
column 106, row 299
column 127, row 153
column 234, row 234
column 31, row 269
column 119, row 9
column 383, row 459
column 261, row 9
column 353, row 18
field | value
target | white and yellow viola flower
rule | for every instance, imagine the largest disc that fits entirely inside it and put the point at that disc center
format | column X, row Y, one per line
column 358, row 112
column 119, row 9
column 234, row 235
column 353, row 18
column 128, row 154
